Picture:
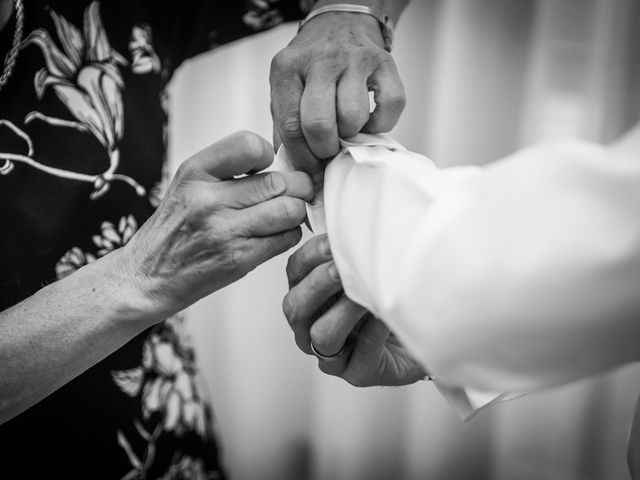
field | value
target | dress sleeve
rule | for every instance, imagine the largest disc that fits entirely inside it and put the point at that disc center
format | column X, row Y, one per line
column 516, row 276
column 185, row 29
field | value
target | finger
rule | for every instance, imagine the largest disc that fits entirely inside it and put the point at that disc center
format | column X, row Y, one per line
column 389, row 97
column 271, row 217
column 254, row 189
column 336, row 366
column 353, row 104
column 286, row 92
column 277, row 141
column 313, row 253
column 330, row 332
column 303, row 301
column 318, row 116
column 258, row 250
column 365, row 362
column 237, row 154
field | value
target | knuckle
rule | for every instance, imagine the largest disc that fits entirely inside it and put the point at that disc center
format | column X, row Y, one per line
column 284, row 60
column 291, row 268
column 322, row 245
column 252, row 143
column 231, row 260
column 353, row 116
column 319, row 126
column 201, row 200
column 317, row 279
column 290, row 127
column 398, row 99
column 185, row 170
column 322, row 343
column 392, row 97
column 383, row 58
column 292, row 209
column 352, row 122
column 289, row 309
column 273, row 184
column 190, row 205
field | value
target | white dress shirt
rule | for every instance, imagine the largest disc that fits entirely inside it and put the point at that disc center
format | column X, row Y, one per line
column 511, row 277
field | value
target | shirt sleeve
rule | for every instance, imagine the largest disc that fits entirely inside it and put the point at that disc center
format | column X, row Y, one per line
column 512, row 277
column 185, row 29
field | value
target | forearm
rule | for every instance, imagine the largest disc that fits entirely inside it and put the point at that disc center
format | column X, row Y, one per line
column 205, row 234
column 64, row 329
column 521, row 277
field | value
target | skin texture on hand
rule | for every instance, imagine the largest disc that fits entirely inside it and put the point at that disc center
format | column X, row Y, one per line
column 316, row 310
column 320, row 86
column 211, row 229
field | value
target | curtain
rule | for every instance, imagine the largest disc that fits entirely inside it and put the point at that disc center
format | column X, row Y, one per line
column 483, row 78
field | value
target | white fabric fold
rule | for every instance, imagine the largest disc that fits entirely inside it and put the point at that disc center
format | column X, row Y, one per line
column 373, row 153
column 512, row 277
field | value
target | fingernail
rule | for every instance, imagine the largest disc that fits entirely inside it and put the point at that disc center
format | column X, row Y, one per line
column 333, row 271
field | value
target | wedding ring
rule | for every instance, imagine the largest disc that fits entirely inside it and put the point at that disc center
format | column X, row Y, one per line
column 325, row 357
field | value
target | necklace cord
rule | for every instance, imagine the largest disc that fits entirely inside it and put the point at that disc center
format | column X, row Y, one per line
column 12, row 55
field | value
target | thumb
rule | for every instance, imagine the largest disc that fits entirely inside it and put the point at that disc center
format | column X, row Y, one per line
column 239, row 153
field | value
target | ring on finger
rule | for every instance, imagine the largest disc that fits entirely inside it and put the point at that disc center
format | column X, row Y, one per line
column 325, row 357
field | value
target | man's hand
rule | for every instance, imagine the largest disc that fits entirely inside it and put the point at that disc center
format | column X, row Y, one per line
column 320, row 87
column 317, row 311
column 212, row 229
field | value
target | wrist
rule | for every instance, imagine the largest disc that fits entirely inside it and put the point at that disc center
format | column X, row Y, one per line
column 351, row 17
column 392, row 8
column 112, row 282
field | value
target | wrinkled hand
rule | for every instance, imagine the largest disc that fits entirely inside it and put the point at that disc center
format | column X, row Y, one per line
column 212, row 229
column 320, row 87
column 317, row 310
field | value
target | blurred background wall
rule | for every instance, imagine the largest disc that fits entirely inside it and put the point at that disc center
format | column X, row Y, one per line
column 483, row 78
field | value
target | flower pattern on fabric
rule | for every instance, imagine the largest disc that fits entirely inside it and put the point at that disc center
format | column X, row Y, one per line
column 172, row 398
column 167, row 380
column 85, row 76
column 188, row 468
column 159, row 190
column 262, row 15
column 71, row 261
column 78, row 117
column 110, row 238
column 168, row 386
column 144, row 58
column 9, row 158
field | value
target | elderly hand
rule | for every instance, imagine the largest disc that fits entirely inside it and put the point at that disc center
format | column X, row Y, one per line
column 320, row 87
column 211, row 228
column 371, row 354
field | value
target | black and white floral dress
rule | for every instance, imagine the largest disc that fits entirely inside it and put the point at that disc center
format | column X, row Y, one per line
column 82, row 154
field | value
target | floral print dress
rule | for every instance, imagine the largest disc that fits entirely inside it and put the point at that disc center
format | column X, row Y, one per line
column 82, row 154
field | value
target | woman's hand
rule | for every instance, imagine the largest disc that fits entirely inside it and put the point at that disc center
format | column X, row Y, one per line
column 319, row 312
column 320, row 86
column 211, row 229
